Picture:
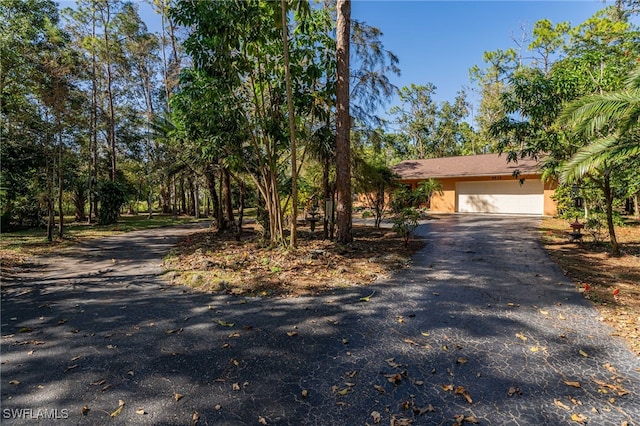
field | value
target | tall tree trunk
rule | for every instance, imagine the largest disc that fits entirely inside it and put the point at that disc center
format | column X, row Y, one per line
column 223, row 225
column 293, row 242
column 93, row 138
column 51, row 219
column 608, row 196
column 326, row 191
column 192, row 196
column 196, row 197
column 183, row 196
column 241, row 187
column 228, row 206
column 174, row 208
column 165, row 194
column 215, row 202
column 60, row 179
column 343, row 124
column 111, row 120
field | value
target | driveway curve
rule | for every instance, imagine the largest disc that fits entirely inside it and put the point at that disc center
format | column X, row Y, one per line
column 481, row 327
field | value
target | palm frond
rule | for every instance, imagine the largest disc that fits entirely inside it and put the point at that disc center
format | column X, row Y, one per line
column 592, row 114
column 633, row 80
column 591, row 157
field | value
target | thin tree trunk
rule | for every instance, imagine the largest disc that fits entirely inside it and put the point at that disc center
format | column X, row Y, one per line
column 326, row 191
column 293, row 242
column 111, row 130
column 343, row 124
column 196, row 197
column 213, row 195
column 175, row 196
column 228, row 206
column 240, row 210
column 636, row 205
column 192, row 196
column 60, row 180
column 608, row 196
column 222, row 225
column 183, row 196
column 93, row 138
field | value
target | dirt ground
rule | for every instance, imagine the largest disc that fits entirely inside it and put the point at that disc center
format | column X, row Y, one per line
column 210, row 261
column 612, row 283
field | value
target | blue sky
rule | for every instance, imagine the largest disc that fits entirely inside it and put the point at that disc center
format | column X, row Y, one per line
column 439, row 41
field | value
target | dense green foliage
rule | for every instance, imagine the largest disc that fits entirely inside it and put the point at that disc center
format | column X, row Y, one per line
column 111, row 196
column 90, row 95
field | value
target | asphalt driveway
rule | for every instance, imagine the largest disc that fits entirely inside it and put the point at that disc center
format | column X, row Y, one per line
column 482, row 325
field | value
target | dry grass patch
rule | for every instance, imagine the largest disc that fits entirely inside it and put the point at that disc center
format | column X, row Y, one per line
column 211, row 261
column 590, row 265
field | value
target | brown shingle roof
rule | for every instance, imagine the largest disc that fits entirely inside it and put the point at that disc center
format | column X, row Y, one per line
column 470, row 165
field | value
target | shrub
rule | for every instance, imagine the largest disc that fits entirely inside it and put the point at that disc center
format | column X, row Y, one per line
column 111, row 196
column 405, row 223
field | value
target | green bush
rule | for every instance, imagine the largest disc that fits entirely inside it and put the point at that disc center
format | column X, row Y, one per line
column 405, row 222
column 111, row 196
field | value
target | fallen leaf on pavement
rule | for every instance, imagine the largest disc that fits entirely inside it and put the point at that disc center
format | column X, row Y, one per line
column 71, row 367
column 376, row 417
column 422, row 410
column 177, row 396
column 292, row 333
column 462, row 391
column 579, row 418
column 305, row 393
column 85, row 410
column 394, row 378
column 521, row 337
column 119, row 409
column 461, row 360
column 447, row 388
column 583, row 353
column 195, row 418
column 14, row 382
column 392, row 363
column 560, row 404
column 401, row 421
column 574, row 401
column 225, row 324
column 573, row 384
column 141, row 411
column 379, row 388
column 514, row 391
column 366, row 299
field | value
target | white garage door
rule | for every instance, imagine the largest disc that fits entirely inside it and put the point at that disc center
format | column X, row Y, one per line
column 507, row 197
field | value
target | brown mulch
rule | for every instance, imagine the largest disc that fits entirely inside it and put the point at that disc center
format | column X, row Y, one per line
column 211, row 261
column 611, row 282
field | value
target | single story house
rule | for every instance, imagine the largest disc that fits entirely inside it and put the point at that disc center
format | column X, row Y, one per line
column 482, row 184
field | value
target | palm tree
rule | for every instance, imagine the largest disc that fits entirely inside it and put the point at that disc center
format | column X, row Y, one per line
column 614, row 119
column 595, row 115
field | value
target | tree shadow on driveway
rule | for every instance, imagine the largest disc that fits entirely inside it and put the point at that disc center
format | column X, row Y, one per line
column 481, row 311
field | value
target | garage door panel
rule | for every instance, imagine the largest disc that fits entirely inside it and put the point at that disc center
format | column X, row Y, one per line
column 506, row 197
